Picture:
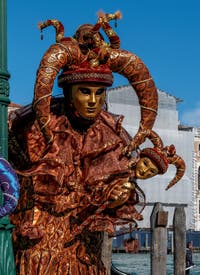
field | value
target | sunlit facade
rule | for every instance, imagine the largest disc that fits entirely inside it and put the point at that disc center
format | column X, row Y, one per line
column 123, row 100
column 196, row 188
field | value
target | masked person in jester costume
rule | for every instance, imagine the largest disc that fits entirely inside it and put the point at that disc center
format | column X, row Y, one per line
column 73, row 157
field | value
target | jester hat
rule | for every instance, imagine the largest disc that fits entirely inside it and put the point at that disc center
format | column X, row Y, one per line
column 86, row 57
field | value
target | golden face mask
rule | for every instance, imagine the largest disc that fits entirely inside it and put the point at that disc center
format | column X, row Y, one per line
column 146, row 168
column 88, row 100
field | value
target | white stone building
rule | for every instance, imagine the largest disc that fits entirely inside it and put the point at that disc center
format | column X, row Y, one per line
column 123, row 100
column 196, row 178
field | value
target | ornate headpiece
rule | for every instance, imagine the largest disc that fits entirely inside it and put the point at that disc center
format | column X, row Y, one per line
column 86, row 73
column 92, row 59
column 163, row 156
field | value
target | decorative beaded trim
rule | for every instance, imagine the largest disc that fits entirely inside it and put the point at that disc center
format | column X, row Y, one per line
column 83, row 76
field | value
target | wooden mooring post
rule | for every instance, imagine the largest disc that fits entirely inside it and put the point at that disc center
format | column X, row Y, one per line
column 179, row 225
column 159, row 220
column 106, row 255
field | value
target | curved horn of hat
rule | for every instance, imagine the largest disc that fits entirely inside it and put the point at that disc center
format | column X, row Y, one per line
column 57, row 25
column 180, row 166
column 112, row 36
column 155, row 139
column 132, row 67
column 56, row 57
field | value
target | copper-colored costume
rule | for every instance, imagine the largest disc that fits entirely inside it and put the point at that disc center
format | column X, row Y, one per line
column 66, row 184
column 66, row 176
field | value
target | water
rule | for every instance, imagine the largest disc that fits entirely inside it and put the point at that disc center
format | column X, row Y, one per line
column 139, row 264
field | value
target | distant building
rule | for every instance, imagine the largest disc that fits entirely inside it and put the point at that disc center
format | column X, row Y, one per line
column 123, row 100
column 196, row 177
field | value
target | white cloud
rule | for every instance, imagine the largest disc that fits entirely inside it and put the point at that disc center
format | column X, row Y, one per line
column 191, row 117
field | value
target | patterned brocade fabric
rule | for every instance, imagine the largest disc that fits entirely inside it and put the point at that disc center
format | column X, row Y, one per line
column 65, row 184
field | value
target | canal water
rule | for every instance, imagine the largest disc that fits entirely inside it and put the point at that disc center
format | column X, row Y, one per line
column 139, row 264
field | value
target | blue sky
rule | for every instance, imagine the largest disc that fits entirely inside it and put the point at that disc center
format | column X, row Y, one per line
column 164, row 34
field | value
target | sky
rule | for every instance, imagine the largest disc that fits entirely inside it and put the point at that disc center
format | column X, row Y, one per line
column 165, row 34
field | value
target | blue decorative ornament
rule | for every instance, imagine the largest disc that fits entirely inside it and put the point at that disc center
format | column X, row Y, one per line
column 9, row 186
